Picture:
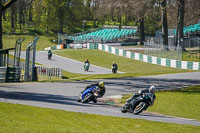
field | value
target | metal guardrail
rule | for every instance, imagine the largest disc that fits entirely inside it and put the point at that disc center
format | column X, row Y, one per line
column 13, row 74
column 10, row 74
column 3, row 74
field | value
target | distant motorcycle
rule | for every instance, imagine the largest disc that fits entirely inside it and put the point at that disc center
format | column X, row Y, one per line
column 86, row 66
column 49, row 56
column 114, row 70
column 138, row 104
column 88, row 95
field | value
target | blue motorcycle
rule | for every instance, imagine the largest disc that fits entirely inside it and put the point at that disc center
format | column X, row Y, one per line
column 88, row 95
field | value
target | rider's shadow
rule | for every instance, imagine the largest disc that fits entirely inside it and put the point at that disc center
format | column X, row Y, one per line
column 154, row 115
column 89, row 71
column 52, row 60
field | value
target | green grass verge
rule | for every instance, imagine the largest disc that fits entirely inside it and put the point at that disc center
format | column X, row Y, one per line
column 193, row 58
column 104, row 59
column 15, row 118
column 129, row 66
column 181, row 103
column 99, row 58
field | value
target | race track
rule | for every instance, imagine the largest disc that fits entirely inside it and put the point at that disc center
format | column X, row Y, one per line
column 62, row 95
column 67, row 64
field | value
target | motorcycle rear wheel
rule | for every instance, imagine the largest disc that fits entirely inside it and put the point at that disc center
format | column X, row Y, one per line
column 78, row 98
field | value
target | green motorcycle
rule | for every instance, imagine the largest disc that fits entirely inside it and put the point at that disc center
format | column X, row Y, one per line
column 86, row 66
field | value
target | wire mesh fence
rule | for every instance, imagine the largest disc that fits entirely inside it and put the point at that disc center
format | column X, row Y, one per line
column 154, row 47
column 30, row 71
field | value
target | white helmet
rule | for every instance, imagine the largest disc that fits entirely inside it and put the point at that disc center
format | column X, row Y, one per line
column 152, row 89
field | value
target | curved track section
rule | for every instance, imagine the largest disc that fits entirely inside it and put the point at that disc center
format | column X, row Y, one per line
column 63, row 95
column 67, row 64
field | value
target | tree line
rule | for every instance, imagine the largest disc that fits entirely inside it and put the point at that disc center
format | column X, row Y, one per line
column 67, row 16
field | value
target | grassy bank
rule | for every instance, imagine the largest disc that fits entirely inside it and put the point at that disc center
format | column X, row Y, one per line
column 15, row 118
column 129, row 66
column 181, row 103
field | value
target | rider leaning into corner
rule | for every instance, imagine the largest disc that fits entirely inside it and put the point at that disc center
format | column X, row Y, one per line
column 100, row 91
column 151, row 89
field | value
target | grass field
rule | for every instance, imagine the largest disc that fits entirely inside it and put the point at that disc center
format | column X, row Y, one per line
column 99, row 58
column 193, row 58
column 181, row 103
column 129, row 66
column 15, row 118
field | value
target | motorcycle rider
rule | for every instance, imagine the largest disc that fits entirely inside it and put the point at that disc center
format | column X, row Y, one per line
column 100, row 90
column 49, row 55
column 86, row 63
column 150, row 90
column 114, row 67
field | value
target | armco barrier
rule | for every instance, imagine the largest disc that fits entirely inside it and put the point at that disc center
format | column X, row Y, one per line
column 150, row 59
column 3, row 71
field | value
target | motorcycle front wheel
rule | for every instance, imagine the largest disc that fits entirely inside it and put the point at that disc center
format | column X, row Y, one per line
column 123, row 110
column 78, row 98
column 87, row 98
column 139, row 107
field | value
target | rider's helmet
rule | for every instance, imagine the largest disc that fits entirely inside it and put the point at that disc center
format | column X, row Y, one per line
column 152, row 89
column 101, row 84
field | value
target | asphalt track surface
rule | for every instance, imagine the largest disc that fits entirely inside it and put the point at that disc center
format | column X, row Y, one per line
column 62, row 95
column 67, row 64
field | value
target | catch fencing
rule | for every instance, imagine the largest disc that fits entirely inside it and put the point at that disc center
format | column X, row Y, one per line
column 151, row 59
column 154, row 47
column 49, row 71
column 42, row 70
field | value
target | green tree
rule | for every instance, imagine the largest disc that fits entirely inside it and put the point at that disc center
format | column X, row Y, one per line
column 3, row 7
column 63, row 16
column 164, row 23
column 142, row 8
column 180, row 21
